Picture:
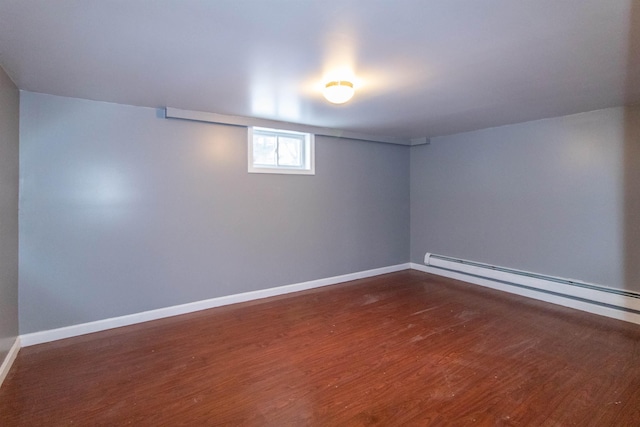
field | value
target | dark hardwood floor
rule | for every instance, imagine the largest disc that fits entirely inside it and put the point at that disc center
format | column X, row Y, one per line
column 401, row 349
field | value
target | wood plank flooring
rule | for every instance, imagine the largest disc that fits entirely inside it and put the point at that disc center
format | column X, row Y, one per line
column 401, row 349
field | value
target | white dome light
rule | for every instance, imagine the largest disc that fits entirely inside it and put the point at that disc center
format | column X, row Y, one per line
column 339, row 91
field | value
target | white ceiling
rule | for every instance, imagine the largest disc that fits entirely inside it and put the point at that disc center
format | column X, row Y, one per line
column 422, row 67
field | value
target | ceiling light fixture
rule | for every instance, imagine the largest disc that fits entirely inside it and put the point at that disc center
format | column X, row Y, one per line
column 338, row 91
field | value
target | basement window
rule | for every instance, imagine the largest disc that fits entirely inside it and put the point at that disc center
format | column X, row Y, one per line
column 281, row 151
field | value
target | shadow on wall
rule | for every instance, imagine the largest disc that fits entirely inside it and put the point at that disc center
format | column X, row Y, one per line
column 631, row 156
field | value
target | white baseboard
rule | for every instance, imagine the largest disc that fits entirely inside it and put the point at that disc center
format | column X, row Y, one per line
column 569, row 301
column 8, row 360
column 145, row 316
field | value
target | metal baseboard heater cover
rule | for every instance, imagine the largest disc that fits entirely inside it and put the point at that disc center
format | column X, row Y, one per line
column 617, row 299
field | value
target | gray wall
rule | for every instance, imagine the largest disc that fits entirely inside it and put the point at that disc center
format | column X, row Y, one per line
column 9, row 125
column 557, row 196
column 123, row 211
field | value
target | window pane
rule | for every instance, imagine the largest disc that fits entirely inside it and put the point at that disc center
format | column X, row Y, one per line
column 264, row 150
column 280, row 151
column 290, row 152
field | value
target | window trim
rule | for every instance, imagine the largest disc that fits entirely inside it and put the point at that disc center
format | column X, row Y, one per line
column 308, row 151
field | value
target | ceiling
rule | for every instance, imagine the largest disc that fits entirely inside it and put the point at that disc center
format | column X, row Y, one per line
column 421, row 67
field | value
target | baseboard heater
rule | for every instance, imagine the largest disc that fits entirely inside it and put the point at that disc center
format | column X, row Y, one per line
column 611, row 302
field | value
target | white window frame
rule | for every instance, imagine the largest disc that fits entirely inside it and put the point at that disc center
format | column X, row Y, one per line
column 308, row 150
